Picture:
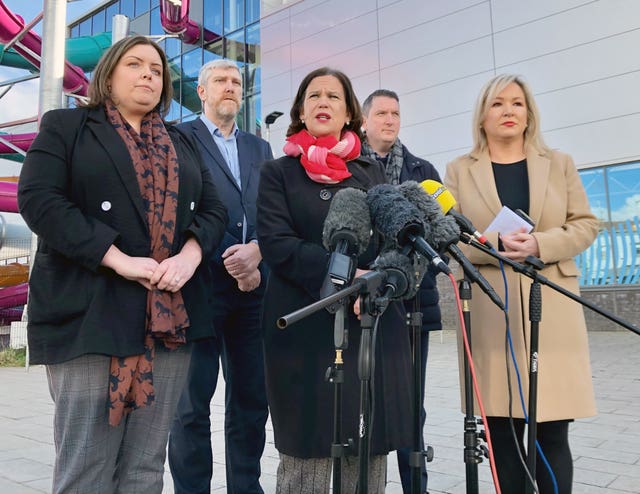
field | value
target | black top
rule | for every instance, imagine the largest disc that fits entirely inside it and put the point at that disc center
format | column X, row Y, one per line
column 512, row 183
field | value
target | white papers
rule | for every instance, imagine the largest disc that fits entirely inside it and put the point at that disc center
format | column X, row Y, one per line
column 506, row 221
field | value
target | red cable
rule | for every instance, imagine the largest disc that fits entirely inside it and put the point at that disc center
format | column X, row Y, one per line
column 467, row 350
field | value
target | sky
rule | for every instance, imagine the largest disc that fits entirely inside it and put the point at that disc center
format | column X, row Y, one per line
column 22, row 100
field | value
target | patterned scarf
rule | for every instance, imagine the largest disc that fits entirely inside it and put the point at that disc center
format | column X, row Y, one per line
column 156, row 165
column 324, row 158
column 395, row 160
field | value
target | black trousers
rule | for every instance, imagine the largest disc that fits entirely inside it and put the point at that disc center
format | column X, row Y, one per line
column 553, row 438
column 239, row 347
column 403, row 453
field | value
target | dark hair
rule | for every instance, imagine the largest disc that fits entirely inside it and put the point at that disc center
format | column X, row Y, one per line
column 353, row 105
column 99, row 90
column 387, row 93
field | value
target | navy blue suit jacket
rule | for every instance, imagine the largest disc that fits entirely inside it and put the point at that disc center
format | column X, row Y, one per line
column 240, row 202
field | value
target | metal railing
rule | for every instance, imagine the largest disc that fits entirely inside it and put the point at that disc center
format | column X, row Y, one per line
column 613, row 258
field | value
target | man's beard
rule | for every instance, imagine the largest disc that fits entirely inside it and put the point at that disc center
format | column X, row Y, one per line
column 227, row 110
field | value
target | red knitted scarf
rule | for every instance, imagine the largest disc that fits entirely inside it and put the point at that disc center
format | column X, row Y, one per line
column 324, row 158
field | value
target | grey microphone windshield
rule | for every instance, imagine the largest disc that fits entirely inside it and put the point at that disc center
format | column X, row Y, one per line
column 403, row 276
column 401, row 222
column 441, row 230
column 347, row 227
column 444, row 234
column 393, row 215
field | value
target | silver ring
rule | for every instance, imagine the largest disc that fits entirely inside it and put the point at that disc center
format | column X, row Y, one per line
column 176, row 280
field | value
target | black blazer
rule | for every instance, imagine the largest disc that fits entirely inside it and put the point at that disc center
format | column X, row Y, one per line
column 78, row 192
column 239, row 201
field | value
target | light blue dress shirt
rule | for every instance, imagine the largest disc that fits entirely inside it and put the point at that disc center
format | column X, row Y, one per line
column 228, row 147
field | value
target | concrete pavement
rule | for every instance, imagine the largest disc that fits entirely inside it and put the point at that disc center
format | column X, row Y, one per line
column 606, row 448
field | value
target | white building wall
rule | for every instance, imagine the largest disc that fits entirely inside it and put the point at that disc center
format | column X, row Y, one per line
column 581, row 57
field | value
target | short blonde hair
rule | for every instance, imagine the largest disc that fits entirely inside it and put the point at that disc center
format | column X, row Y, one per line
column 490, row 90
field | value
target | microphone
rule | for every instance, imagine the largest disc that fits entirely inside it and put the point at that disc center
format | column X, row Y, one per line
column 474, row 275
column 444, row 230
column 402, row 276
column 445, row 233
column 446, row 201
column 345, row 233
column 401, row 222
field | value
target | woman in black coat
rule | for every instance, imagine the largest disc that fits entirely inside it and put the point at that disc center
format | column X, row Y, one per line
column 293, row 201
column 125, row 213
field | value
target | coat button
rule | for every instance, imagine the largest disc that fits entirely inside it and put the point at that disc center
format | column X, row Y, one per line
column 239, row 224
column 325, row 194
column 106, row 205
column 192, row 206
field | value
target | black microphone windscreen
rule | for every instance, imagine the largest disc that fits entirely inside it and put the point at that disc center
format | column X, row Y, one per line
column 445, row 232
column 401, row 273
column 441, row 230
column 416, row 195
column 348, row 219
column 393, row 215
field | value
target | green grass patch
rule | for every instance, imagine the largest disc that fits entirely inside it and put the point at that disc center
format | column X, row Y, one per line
column 11, row 357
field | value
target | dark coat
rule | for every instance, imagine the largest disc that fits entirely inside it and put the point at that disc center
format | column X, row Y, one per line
column 240, row 202
column 417, row 169
column 291, row 214
column 78, row 192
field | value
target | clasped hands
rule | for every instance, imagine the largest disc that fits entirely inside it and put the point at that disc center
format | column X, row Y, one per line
column 169, row 275
column 241, row 261
column 519, row 244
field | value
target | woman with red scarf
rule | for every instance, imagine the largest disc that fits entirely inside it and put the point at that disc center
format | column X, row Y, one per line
column 322, row 157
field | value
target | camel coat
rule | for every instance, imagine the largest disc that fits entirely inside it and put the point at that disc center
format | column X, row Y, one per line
column 564, row 227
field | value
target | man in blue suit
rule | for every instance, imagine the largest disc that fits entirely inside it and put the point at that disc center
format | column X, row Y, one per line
column 234, row 158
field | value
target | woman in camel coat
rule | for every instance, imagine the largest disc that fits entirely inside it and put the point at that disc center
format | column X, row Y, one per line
column 510, row 165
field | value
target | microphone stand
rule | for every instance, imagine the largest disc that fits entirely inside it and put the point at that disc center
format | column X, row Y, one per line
column 335, row 375
column 529, row 269
column 473, row 451
column 416, row 458
column 531, row 273
column 373, row 307
column 535, row 316
column 419, row 453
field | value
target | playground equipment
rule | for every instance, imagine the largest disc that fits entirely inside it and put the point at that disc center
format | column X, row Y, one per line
column 21, row 47
column 28, row 44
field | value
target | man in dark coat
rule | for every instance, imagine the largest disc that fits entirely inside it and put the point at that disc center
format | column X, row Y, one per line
column 381, row 124
column 234, row 158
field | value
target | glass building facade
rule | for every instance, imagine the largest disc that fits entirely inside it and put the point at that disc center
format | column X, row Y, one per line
column 236, row 36
column 614, row 196
column 613, row 190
